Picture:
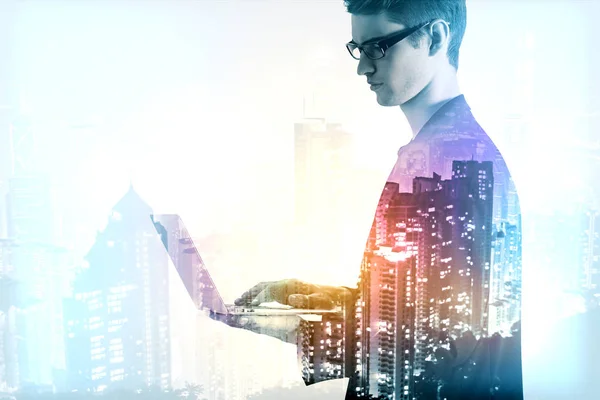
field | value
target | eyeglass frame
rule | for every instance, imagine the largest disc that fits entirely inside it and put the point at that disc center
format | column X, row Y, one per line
column 385, row 43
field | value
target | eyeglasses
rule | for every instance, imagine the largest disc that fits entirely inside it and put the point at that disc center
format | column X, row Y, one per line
column 375, row 49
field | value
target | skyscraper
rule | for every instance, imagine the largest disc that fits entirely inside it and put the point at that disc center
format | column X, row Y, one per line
column 505, row 278
column 9, row 361
column 28, row 197
column 322, row 160
column 322, row 152
column 117, row 320
column 41, row 273
column 30, row 209
column 417, row 291
column 591, row 252
column 7, row 100
column 472, row 205
column 40, row 269
column 5, row 169
column 321, row 346
column 385, row 327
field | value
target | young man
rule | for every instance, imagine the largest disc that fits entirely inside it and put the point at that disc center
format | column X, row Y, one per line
column 436, row 313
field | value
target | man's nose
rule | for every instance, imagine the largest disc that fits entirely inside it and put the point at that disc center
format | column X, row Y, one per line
column 365, row 65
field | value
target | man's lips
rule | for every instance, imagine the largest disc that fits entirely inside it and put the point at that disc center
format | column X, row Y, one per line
column 375, row 85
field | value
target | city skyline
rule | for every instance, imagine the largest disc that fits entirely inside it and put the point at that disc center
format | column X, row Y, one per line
column 220, row 155
column 588, row 243
column 411, row 296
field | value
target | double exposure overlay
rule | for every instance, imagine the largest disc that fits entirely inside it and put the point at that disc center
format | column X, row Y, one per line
column 202, row 200
column 437, row 306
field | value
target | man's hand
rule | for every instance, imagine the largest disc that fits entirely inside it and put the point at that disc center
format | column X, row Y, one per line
column 289, row 292
column 295, row 293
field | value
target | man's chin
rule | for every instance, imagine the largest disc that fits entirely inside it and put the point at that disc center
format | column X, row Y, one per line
column 386, row 102
column 384, row 99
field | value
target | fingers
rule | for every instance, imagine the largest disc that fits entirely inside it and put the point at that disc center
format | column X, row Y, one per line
column 297, row 294
column 269, row 291
column 314, row 301
column 298, row 301
column 246, row 298
column 264, row 296
column 320, row 301
column 340, row 293
column 280, row 291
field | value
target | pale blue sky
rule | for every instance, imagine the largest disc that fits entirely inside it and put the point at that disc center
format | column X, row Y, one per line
column 195, row 101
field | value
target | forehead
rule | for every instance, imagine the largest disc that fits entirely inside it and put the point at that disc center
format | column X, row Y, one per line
column 367, row 27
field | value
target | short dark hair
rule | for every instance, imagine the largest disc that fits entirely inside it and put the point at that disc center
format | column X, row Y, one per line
column 415, row 12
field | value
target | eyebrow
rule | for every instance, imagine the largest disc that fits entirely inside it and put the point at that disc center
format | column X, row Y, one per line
column 372, row 40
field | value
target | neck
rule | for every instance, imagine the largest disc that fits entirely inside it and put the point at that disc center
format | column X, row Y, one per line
column 419, row 109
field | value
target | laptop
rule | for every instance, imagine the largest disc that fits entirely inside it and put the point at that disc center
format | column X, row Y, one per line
column 188, row 262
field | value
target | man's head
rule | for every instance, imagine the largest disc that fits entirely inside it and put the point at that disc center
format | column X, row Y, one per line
column 409, row 65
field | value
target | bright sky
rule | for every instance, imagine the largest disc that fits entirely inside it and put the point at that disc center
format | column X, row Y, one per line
column 195, row 101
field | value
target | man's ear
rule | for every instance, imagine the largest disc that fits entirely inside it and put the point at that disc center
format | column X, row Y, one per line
column 439, row 33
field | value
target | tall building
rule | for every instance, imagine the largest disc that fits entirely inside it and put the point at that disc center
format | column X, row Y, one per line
column 32, row 283
column 28, row 194
column 8, row 84
column 8, row 12
column 322, row 153
column 9, row 361
column 117, row 321
column 426, row 277
column 42, row 274
column 505, row 278
column 6, row 259
column 591, row 252
column 29, row 206
column 321, row 346
column 41, row 269
column 386, row 323
column 3, row 211
column 5, row 168
column 322, row 161
column 473, row 184
column 381, row 226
